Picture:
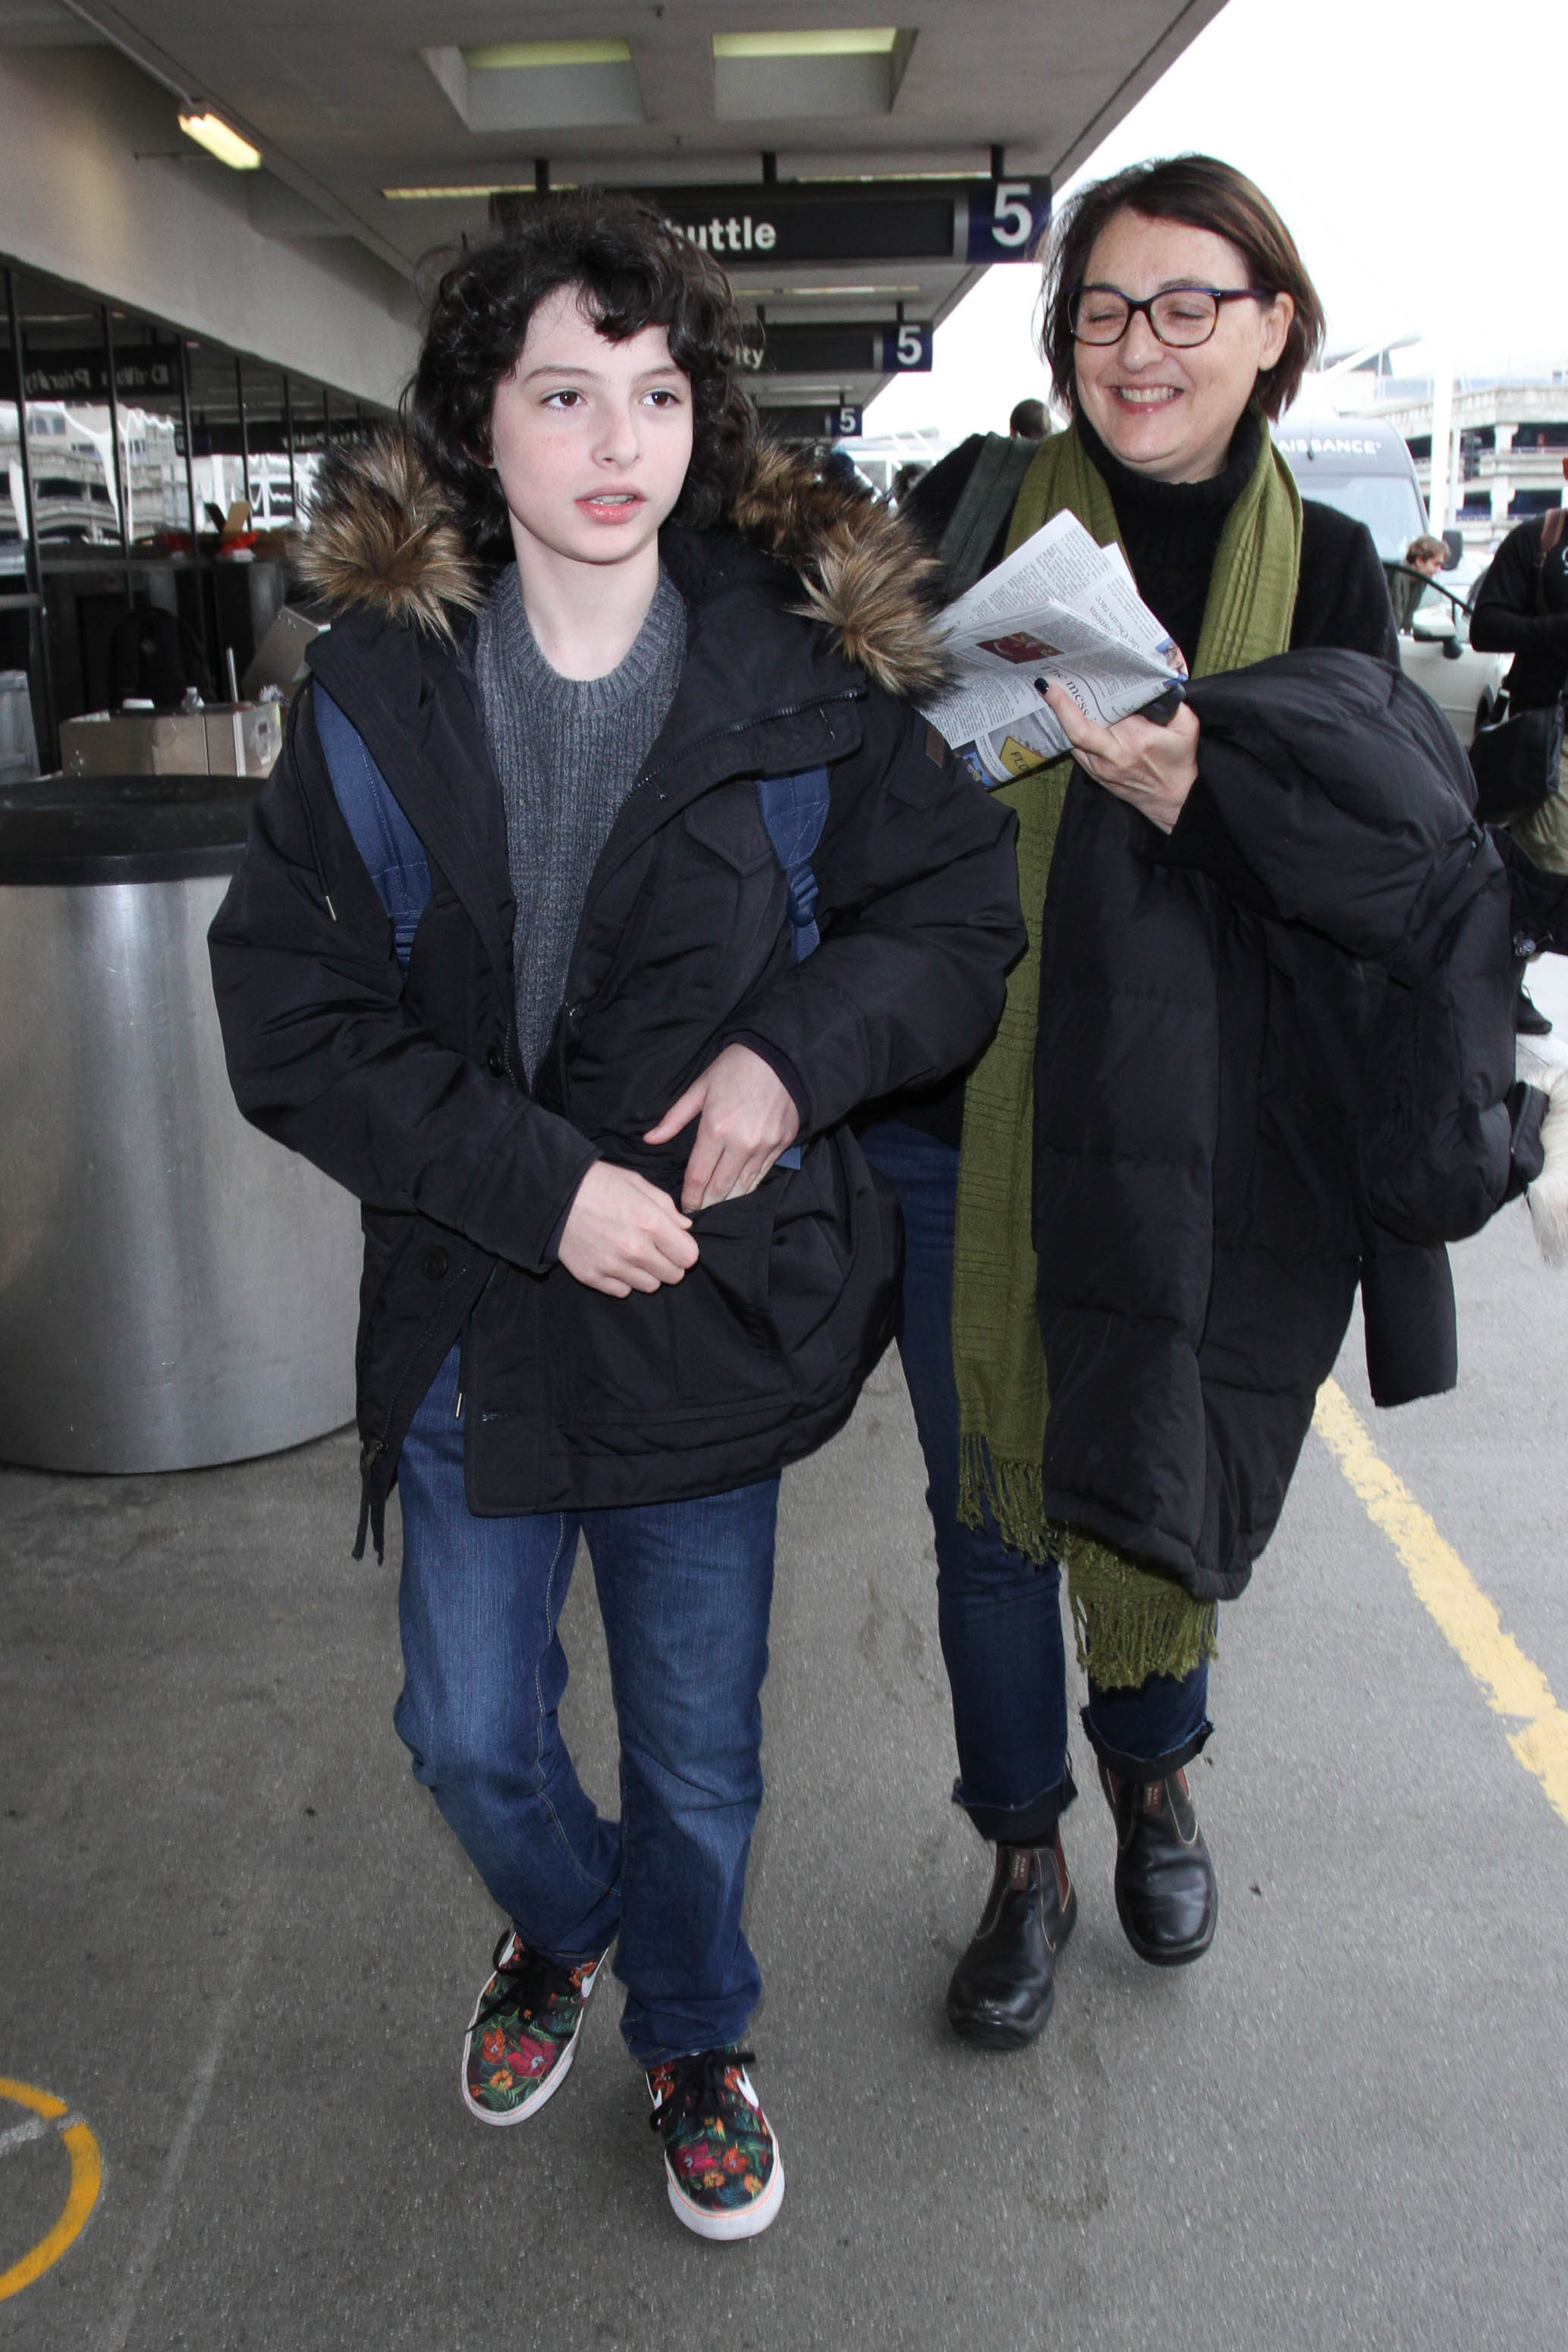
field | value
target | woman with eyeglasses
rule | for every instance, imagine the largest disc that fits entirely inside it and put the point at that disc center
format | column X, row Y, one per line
column 1179, row 320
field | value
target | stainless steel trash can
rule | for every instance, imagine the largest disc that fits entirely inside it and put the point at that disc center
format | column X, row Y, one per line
column 176, row 1289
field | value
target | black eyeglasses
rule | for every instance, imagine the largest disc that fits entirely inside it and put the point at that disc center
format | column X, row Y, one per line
column 1180, row 316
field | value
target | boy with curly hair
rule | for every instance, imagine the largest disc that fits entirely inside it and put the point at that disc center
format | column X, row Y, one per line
column 605, row 872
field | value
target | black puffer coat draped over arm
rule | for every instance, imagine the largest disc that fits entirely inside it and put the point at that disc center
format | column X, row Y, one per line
column 1276, row 1057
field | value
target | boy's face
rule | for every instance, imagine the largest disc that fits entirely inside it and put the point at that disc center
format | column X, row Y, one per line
column 591, row 439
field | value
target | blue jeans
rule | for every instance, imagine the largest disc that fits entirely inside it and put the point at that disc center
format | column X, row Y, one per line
column 998, row 1614
column 685, row 1590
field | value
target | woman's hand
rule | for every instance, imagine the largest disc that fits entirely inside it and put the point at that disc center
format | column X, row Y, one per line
column 746, row 1117
column 622, row 1233
column 1152, row 768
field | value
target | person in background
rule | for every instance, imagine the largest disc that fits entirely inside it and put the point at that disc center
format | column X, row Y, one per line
column 1425, row 556
column 1521, row 608
column 1180, row 320
column 1029, row 421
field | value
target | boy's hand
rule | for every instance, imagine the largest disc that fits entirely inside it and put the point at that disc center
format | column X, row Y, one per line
column 622, row 1234
column 745, row 1117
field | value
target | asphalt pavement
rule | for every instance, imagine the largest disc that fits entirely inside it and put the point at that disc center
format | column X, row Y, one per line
column 236, row 1941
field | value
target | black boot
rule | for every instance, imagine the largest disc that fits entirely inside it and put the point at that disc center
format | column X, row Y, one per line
column 1003, row 1987
column 1166, row 1898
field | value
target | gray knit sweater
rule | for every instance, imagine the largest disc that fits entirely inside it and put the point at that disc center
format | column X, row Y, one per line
column 567, row 752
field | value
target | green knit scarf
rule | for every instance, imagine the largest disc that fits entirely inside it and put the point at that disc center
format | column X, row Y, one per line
column 1131, row 1620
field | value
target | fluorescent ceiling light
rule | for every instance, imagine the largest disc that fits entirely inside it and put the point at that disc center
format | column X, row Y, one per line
column 511, row 56
column 819, row 293
column 865, row 41
column 473, row 188
column 211, row 131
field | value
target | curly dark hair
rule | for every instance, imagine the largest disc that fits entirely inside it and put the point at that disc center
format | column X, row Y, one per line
column 1203, row 192
column 634, row 271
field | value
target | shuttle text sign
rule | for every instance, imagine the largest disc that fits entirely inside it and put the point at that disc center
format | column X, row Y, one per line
column 760, row 225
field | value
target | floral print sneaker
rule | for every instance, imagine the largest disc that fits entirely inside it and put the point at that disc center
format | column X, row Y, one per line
column 522, row 2036
column 721, row 2159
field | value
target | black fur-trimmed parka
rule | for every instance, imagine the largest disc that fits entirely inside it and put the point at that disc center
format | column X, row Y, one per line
column 806, row 629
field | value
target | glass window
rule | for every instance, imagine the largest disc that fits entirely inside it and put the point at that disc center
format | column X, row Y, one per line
column 269, row 487
column 65, row 372
column 1388, row 504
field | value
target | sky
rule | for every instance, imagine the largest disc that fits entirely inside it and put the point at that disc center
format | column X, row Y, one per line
column 1400, row 143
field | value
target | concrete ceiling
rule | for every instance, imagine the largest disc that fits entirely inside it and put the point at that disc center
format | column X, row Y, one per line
column 349, row 97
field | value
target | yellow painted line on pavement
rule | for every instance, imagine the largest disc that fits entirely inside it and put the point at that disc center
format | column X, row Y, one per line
column 1514, row 1685
column 87, row 2178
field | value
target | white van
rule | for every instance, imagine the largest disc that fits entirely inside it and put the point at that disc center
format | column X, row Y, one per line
column 1361, row 465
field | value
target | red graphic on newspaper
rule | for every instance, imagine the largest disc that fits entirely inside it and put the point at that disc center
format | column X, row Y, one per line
column 1019, row 647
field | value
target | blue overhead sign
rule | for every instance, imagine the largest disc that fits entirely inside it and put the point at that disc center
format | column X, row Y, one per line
column 905, row 349
column 1006, row 219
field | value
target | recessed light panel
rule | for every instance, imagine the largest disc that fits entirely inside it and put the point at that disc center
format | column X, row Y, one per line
column 866, row 41
column 829, row 75
column 539, row 85
column 524, row 57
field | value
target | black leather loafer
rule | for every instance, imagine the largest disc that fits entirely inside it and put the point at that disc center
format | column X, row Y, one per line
column 1166, row 1896
column 1003, row 1987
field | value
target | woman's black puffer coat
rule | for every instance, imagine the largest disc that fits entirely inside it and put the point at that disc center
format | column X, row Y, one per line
column 1275, row 1058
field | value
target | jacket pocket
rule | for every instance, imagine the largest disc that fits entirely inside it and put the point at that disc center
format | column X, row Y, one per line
column 836, row 1266
column 678, row 1366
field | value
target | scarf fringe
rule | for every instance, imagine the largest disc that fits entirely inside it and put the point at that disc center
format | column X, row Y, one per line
column 1012, row 1492
column 1130, row 1623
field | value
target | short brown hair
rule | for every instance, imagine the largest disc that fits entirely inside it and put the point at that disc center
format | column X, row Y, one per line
column 1204, row 193
column 632, row 270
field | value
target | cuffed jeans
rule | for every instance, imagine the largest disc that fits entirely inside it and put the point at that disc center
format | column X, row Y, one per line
column 998, row 1614
column 685, row 1590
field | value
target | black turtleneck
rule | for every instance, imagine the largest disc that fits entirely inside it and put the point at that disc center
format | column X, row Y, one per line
column 1171, row 529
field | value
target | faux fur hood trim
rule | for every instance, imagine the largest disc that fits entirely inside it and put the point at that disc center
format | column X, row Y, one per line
column 866, row 575
column 382, row 537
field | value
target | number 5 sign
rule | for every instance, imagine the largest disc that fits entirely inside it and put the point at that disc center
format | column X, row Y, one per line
column 1010, row 227
column 906, row 350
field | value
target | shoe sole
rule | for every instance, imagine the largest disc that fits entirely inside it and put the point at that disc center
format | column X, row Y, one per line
column 1172, row 1955
column 993, row 2033
column 557, row 2077
column 722, row 2229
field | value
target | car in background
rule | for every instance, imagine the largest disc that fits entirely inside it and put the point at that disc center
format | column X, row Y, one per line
column 1435, row 649
column 1361, row 465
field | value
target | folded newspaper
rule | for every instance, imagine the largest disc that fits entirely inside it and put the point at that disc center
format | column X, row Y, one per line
column 1060, row 611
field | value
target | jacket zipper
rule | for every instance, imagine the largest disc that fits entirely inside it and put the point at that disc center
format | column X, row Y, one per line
column 743, row 727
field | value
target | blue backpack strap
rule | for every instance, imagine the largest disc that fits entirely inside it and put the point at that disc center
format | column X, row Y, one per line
column 394, row 858
column 794, row 812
